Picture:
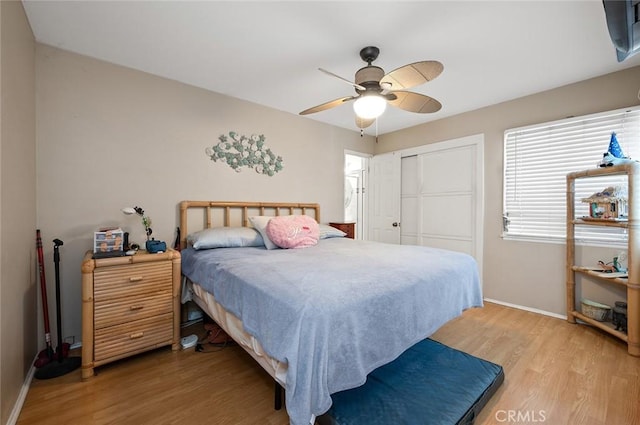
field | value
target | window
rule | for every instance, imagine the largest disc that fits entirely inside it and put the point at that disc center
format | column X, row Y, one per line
column 537, row 160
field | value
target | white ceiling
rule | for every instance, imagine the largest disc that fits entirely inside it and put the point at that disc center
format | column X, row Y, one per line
column 269, row 52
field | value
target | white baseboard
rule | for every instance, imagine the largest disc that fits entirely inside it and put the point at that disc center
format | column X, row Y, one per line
column 521, row 307
column 15, row 412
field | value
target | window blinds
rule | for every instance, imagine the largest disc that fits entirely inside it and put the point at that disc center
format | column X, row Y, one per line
column 537, row 160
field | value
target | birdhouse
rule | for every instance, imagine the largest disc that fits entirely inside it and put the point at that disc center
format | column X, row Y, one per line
column 610, row 204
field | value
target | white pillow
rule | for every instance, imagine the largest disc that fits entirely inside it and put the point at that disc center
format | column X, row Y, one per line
column 327, row 231
column 225, row 237
column 259, row 222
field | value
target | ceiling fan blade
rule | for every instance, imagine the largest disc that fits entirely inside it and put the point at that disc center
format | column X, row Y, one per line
column 351, row 83
column 328, row 105
column 413, row 74
column 364, row 122
column 414, row 102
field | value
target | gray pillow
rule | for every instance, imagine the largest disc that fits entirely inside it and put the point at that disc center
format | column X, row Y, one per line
column 260, row 222
column 327, row 231
column 225, row 237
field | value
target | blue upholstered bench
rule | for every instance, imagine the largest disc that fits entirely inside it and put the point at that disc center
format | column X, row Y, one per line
column 429, row 384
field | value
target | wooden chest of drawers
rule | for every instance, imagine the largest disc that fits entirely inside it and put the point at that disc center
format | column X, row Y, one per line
column 129, row 305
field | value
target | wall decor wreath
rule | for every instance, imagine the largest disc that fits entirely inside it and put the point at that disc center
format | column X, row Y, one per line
column 239, row 151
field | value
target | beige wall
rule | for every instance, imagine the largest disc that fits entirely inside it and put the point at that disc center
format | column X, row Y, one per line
column 521, row 273
column 110, row 137
column 18, row 307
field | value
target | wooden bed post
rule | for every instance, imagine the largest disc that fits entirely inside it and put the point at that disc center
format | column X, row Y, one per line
column 227, row 214
column 183, row 224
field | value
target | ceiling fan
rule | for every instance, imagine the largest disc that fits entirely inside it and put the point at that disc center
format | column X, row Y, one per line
column 375, row 89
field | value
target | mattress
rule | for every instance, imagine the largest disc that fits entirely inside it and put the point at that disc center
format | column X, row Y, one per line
column 430, row 384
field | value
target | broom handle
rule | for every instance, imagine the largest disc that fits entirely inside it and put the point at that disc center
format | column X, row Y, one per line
column 43, row 290
column 56, row 260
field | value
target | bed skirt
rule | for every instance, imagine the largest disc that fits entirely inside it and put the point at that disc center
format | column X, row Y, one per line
column 233, row 327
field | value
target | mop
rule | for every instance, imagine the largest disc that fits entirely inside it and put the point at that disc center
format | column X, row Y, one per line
column 61, row 364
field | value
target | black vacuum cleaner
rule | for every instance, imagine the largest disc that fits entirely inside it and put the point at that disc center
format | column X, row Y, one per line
column 61, row 364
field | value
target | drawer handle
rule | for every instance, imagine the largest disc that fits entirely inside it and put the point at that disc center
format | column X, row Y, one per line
column 136, row 335
column 135, row 279
column 136, row 307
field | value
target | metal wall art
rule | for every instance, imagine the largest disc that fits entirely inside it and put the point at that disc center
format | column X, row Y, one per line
column 239, row 151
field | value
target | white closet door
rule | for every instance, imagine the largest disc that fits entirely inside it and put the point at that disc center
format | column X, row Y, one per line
column 442, row 195
column 447, row 199
column 433, row 193
column 409, row 201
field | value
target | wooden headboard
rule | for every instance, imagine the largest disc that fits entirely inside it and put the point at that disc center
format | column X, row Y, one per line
column 218, row 213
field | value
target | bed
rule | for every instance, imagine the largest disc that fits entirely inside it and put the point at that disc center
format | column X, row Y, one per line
column 319, row 319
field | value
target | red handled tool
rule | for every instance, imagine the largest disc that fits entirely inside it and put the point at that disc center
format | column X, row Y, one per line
column 46, row 355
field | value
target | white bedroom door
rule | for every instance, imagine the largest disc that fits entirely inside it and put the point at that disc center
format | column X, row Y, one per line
column 384, row 206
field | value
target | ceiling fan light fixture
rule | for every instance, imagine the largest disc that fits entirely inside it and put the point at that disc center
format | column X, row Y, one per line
column 375, row 89
column 370, row 106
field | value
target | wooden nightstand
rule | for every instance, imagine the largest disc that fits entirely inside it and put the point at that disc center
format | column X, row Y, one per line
column 348, row 228
column 130, row 305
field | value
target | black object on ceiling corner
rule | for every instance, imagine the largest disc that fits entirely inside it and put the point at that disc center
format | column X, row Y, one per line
column 624, row 26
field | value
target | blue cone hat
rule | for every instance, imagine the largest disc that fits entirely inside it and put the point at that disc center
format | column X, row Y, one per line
column 614, row 147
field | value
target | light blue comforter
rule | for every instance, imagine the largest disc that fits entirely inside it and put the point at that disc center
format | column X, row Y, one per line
column 337, row 310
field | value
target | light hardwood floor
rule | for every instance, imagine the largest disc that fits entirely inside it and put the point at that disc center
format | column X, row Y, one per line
column 555, row 373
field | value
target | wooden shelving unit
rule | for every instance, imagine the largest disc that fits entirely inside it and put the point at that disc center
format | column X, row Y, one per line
column 632, row 282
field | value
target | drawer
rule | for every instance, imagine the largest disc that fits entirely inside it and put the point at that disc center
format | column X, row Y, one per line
column 129, row 309
column 146, row 333
column 131, row 279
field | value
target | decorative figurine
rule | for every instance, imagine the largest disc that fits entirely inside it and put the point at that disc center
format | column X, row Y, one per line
column 607, row 268
column 614, row 155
